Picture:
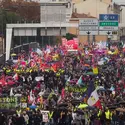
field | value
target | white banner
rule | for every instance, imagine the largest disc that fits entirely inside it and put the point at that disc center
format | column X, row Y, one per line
column 45, row 115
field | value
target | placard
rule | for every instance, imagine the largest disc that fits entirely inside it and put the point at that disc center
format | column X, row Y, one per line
column 8, row 99
column 45, row 115
column 8, row 102
column 23, row 105
column 76, row 89
column 23, row 102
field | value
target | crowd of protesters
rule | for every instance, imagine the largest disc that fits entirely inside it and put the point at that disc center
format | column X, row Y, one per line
column 44, row 78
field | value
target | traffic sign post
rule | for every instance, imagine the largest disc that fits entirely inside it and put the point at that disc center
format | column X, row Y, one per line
column 108, row 33
column 88, row 24
column 93, row 40
column 108, row 22
column 108, row 39
column 104, row 32
column 88, row 37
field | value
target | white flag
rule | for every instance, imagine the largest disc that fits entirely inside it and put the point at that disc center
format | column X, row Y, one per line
column 11, row 92
column 31, row 96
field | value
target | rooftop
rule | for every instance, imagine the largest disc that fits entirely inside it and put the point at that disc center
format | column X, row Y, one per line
column 76, row 16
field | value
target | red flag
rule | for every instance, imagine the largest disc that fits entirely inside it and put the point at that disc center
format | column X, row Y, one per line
column 54, row 67
column 3, row 81
column 63, row 93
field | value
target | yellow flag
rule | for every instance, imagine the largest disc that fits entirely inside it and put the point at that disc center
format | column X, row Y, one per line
column 95, row 70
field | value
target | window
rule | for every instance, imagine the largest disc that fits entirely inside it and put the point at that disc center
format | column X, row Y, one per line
column 114, row 32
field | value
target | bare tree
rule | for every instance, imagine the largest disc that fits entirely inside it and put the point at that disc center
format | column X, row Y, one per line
column 29, row 11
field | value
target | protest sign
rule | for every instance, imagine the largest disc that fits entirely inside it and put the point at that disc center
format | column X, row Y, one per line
column 8, row 102
column 23, row 102
column 45, row 115
column 76, row 89
column 13, row 102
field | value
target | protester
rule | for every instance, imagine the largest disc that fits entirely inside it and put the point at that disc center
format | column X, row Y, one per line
column 59, row 87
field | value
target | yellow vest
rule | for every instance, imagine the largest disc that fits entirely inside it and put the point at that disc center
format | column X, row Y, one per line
column 99, row 113
column 108, row 114
column 50, row 115
column 8, row 71
column 18, row 112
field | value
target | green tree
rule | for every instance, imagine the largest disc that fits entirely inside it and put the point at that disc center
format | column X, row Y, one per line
column 6, row 17
column 70, row 36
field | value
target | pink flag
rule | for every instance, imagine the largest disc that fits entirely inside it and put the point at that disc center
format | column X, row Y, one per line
column 63, row 93
column 23, row 63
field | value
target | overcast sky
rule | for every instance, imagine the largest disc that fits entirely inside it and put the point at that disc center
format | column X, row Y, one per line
column 119, row 1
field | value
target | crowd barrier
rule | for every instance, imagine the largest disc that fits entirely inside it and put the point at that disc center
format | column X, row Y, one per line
column 17, row 49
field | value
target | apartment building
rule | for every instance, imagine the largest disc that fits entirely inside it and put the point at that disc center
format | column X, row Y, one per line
column 92, row 7
column 55, row 10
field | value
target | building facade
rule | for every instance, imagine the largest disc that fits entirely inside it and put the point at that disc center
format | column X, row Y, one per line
column 55, row 11
column 75, row 30
column 92, row 7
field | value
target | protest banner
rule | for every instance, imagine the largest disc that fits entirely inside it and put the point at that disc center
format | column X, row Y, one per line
column 70, row 44
column 45, row 115
column 76, row 89
column 13, row 102
column 8, row 102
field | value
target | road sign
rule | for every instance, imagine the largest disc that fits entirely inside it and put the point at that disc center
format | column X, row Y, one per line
column 108, row 24
column 88, row 21
column 108, row 17
column 88, row 33
column 115, row 32
column 85, row 32
column 104, row 32
column 108, row 33
column 88, row 28
column 88, row 25
column 108, row 28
